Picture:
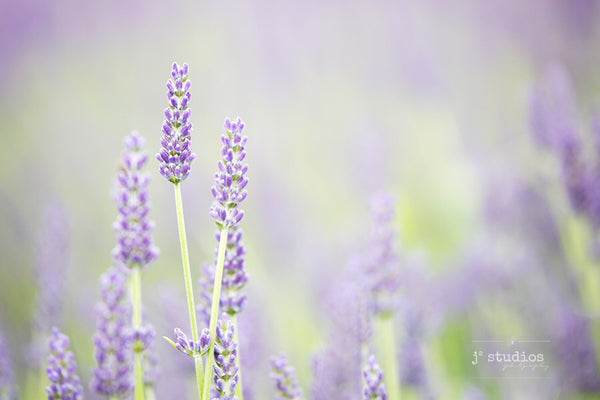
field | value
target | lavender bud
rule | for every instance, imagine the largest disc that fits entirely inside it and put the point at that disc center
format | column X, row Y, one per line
column 133, row 226
column 230, row 182
column 284, row 378
column 176, row 156
column 64, row 383
column 113, row 344
column 188, row 346
column 373, row 388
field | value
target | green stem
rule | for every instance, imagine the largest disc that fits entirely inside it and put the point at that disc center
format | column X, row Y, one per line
column 187, row 276
column 150, row 395
column 388, row 355
column 136, row 322
column 214, row 311
column 239, row 388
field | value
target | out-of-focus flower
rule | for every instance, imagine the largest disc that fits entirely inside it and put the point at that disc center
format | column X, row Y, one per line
column 64, row 382
column 230, row 181
column 373, row 388
column 135, row 247
column 226, row 362
column 337, row 367
column 553, row 112
column 284, row 378
column 50, row 266
column 7, row 377
column 113, row 342
column 381, row 263
column 575, row 350
column 175, row 156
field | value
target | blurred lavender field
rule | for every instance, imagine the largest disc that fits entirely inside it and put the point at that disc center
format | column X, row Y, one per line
column 481, row 119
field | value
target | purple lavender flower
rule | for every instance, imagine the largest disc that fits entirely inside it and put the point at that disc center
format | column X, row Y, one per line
column 135, row 246
column 64, row 383
column 284, row 378
column 188, row 346
column 554, row 125
column 7, row 378
column 381, row 264
column 553, row 112
column 234, row 273
column 373, row 388
column 175, row 156
column 50, row 265
column 226, row 363
column 230, row 182
column 113, row 342
column 337, row 368
column 575, row 350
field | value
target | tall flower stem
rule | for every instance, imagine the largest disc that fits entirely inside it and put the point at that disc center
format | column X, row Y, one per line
column 238, row 389
column 388, row 354
column 187, row 276
column 214, row 311
column 136, row 322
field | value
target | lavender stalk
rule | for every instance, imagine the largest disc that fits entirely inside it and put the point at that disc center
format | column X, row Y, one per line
column 228, row 191
column 226, row 368
column 135, row 250
column 175, row 158
column 382, row 273
column 112, row 376
column 64, row 383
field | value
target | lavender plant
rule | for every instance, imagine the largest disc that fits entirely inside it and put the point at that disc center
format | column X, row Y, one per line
column 284, row 379
column 112, row 377
column 229, row 192
column 135, row 249
column 64, row 382
column 175, row 158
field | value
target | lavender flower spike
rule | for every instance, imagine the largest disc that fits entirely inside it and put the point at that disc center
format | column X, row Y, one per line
column 113, row 375
column 135, row 246
column 284, row 377
column 64, row 383
column 373, row 388
column 175, row 156
column 230, row 182
column 226, row 366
